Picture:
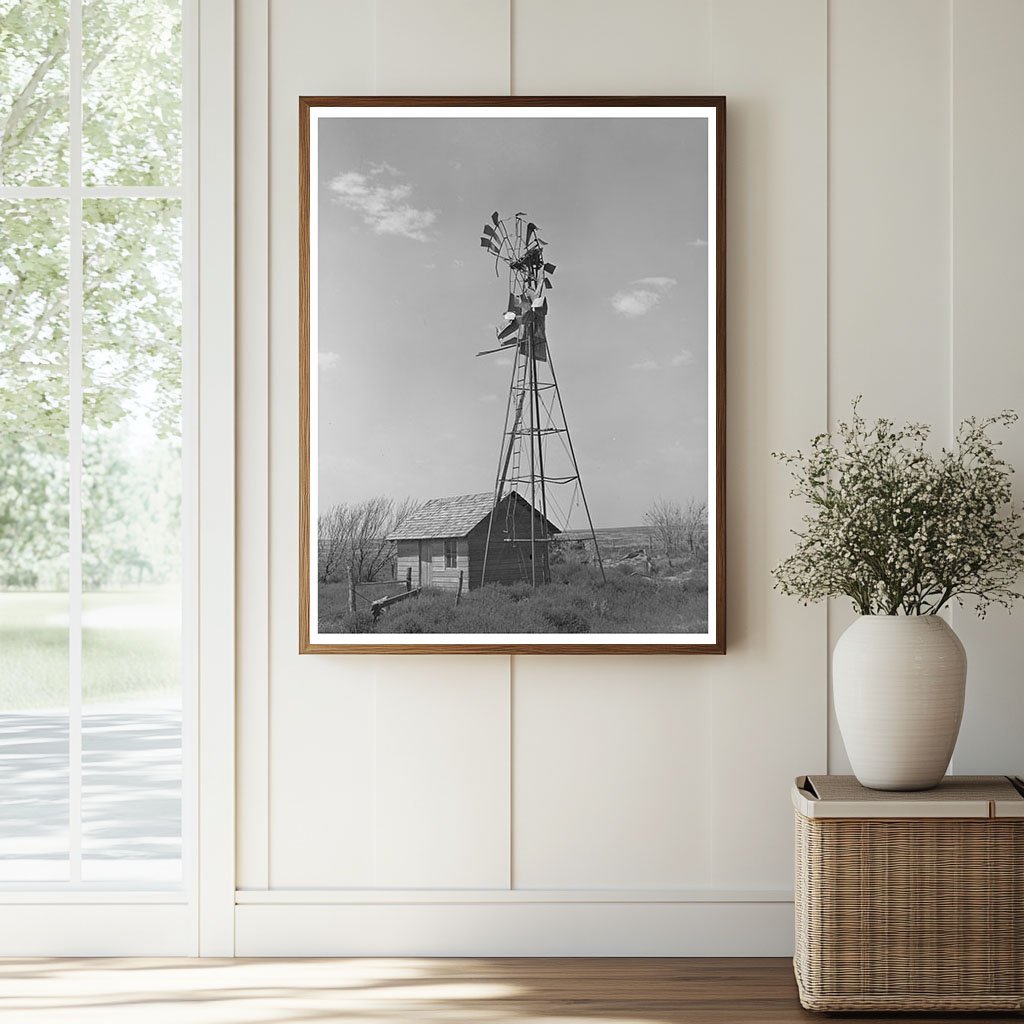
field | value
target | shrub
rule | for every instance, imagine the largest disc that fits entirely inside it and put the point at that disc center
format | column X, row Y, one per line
column 898, row 529
column 565, row 620
column 357, row 622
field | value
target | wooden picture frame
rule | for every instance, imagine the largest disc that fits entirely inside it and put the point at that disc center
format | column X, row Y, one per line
column 372, row 200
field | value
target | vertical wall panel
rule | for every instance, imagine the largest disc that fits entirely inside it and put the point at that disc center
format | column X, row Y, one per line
column 889, row 324
column 321, row 709
column 610, row 756
column 612, row 782
column 988, row 351
column 322, row 757
column 636, row 48
column 769, row 693
column 442, row 48
column 442, row 773
column 252, row 587
column 889, row 208
column 442, row 802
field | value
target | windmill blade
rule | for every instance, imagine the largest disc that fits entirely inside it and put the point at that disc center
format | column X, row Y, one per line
column 491, row 351
column 531, row 230
column 549, row 268
column 547, row 283
column 488, row 229
column 509, row 329
column 495, row 218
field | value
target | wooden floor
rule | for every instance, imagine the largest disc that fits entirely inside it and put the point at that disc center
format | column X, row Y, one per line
column 381, row 991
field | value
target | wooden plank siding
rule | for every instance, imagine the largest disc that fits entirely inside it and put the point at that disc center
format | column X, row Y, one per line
column 508, row 560
column 408, row 557
column 448, row 579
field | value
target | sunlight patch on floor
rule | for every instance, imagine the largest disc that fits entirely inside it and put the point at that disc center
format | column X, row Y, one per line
column 184, row 991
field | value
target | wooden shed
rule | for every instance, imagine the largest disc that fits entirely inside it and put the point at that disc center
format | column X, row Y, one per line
column 446, row 535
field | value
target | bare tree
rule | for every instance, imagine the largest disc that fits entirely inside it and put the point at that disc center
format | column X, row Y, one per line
column 355, row 536
column 665, row 518
column 695, row 525
column 678, row 529
column 332, row 536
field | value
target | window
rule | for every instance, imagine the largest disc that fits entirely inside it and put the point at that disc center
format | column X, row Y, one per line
column 94, row 477
column 451, row 553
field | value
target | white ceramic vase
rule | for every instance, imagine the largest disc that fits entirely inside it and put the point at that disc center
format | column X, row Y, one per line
column 898, row 684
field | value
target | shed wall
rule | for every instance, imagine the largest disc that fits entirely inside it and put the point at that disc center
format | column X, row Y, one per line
column 508, row 560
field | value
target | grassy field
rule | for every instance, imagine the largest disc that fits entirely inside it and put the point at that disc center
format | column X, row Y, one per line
column 576, row 601
column 130, row 647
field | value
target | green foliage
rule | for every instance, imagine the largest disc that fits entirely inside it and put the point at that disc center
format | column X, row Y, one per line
column 131, row 509
column 33, row 515
column 899, row 529
column 33, row 323
column 131, row 309
column 132, row 313
column 131, row 96
column 33, row 92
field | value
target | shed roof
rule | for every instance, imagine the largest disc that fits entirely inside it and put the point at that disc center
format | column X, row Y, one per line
column 450, row 517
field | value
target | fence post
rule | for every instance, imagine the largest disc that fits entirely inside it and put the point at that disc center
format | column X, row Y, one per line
column 351, row 590
column 408, row 578
column 458, row 593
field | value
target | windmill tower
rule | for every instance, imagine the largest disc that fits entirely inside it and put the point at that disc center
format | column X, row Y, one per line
column 537, row 460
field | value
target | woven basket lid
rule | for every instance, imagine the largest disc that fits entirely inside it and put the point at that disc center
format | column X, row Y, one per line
column 957, row 796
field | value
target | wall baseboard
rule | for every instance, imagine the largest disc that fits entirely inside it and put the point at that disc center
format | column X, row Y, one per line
column 332, row 897
column 503, row 928
column 99, row 928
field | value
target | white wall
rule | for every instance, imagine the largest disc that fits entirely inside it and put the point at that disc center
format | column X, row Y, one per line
column 542, row 805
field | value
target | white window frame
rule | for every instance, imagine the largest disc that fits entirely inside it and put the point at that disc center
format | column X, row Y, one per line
column 76, row 918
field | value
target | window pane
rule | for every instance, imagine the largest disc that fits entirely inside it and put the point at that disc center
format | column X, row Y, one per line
column 33, row 92
column 131, row 541
column 131, row 92
column 33, row 540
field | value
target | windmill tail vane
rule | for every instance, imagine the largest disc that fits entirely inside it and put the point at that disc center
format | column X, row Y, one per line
column 535, row 435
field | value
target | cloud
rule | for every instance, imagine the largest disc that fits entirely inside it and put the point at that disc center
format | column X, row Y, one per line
column 660, row 283
column 642, row 295
column 327, row 360
column 683, row 358
column 383, row 207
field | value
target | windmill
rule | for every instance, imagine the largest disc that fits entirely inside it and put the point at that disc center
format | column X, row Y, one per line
column 536, row 455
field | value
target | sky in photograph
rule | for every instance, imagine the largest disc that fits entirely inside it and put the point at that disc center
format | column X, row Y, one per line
column 408, row 297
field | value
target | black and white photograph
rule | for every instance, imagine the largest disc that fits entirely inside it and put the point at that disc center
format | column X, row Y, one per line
column 511, row 375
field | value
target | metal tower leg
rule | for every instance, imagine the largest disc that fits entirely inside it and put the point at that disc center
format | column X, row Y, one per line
column 575, row 465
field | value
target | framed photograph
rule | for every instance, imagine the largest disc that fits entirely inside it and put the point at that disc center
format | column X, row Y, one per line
column 512, row 375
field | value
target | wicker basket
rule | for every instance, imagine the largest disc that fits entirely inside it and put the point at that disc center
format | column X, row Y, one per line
column 910, row 901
